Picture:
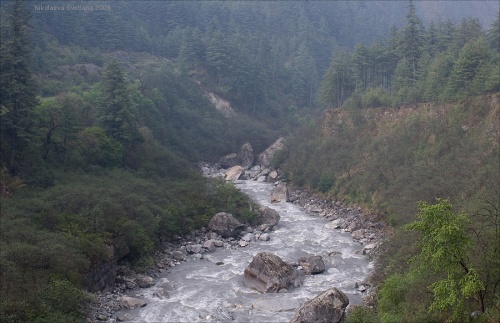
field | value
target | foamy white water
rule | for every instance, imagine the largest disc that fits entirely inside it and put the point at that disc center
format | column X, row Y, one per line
column 204, row 288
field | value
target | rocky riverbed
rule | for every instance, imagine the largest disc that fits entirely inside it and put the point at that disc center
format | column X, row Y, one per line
column 365, row 228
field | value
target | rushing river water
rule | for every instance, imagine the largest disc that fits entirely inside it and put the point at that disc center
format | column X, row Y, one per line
column 204, row 288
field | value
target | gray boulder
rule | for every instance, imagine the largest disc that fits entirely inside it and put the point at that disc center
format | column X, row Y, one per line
column 269, row 216
column 280, row 193
column 264, row 237
column 312, row 264
column 178, row 255
column 226, row 225
column 229, row 160
column 269, row 273
column 266, row 157
column 144, row 281
column 249, row 237
column 194, row 248
column 209, row 245
column 245, row 156
column 327, row 307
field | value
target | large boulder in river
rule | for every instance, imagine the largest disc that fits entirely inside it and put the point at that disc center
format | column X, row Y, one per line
column 131, row 302
column 234, row 173
column 280, row 193
column 312, row 264
column 269, row 273
column 226, row 225
column 144, row 281
column 266, row 157
column 269, row 216
column 165, row 284
column 327, row 307
column 245, row 156
column 229, row 160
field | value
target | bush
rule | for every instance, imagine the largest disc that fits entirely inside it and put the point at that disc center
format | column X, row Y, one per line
column 362, row 314
column 375, row 97
column 99, row 149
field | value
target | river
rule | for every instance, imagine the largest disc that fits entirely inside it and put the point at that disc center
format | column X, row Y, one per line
column 204, row 288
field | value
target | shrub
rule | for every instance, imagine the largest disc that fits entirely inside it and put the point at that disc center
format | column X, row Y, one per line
column 375, row 97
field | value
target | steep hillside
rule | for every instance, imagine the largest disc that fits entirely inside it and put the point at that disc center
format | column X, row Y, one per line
column 391, row 158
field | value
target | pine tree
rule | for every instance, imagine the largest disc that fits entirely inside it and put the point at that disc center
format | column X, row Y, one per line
column 361, row 63
column 216, row 50
column 117, row 115
column 18, row 92
column 411, row 40
column 470, row 60
column 493, row 34
column 338, row 82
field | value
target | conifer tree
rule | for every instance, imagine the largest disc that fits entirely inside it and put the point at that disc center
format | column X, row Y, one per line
column 412, row 39
column 18, row 92
column 338, row 83
column 117, row 115
column 493, row 34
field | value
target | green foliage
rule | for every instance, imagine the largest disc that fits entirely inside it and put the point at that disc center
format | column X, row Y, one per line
column 62, row 301
column 402, row 299
column 469, row 62
column 99, row 149
column 445, row 245
column 229, row 199
column 443, row 235
column 362, row 314
column 375, row 97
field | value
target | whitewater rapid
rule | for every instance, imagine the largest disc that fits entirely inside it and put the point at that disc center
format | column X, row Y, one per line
column 204, row 288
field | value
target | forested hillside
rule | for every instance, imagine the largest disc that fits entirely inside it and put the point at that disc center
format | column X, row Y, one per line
column 105, row 110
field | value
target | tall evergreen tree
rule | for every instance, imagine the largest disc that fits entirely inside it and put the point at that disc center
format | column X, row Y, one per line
column 18, row 91
column 338, row 82
column 412, row 38
column 117, row 114
column 469, row 61
column 493, row 34
column 216, row 54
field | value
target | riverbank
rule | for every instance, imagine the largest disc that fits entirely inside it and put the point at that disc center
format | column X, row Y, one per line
column 192, row 247
column 198, row 245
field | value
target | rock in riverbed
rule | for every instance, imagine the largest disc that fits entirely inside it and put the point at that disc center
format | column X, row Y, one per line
column 327, row 307
column 269, row 273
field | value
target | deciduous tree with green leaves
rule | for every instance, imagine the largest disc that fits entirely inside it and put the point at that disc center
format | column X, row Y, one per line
column 445, row 245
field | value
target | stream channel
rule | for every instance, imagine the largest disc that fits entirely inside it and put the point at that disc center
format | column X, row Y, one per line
column 205, row 291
